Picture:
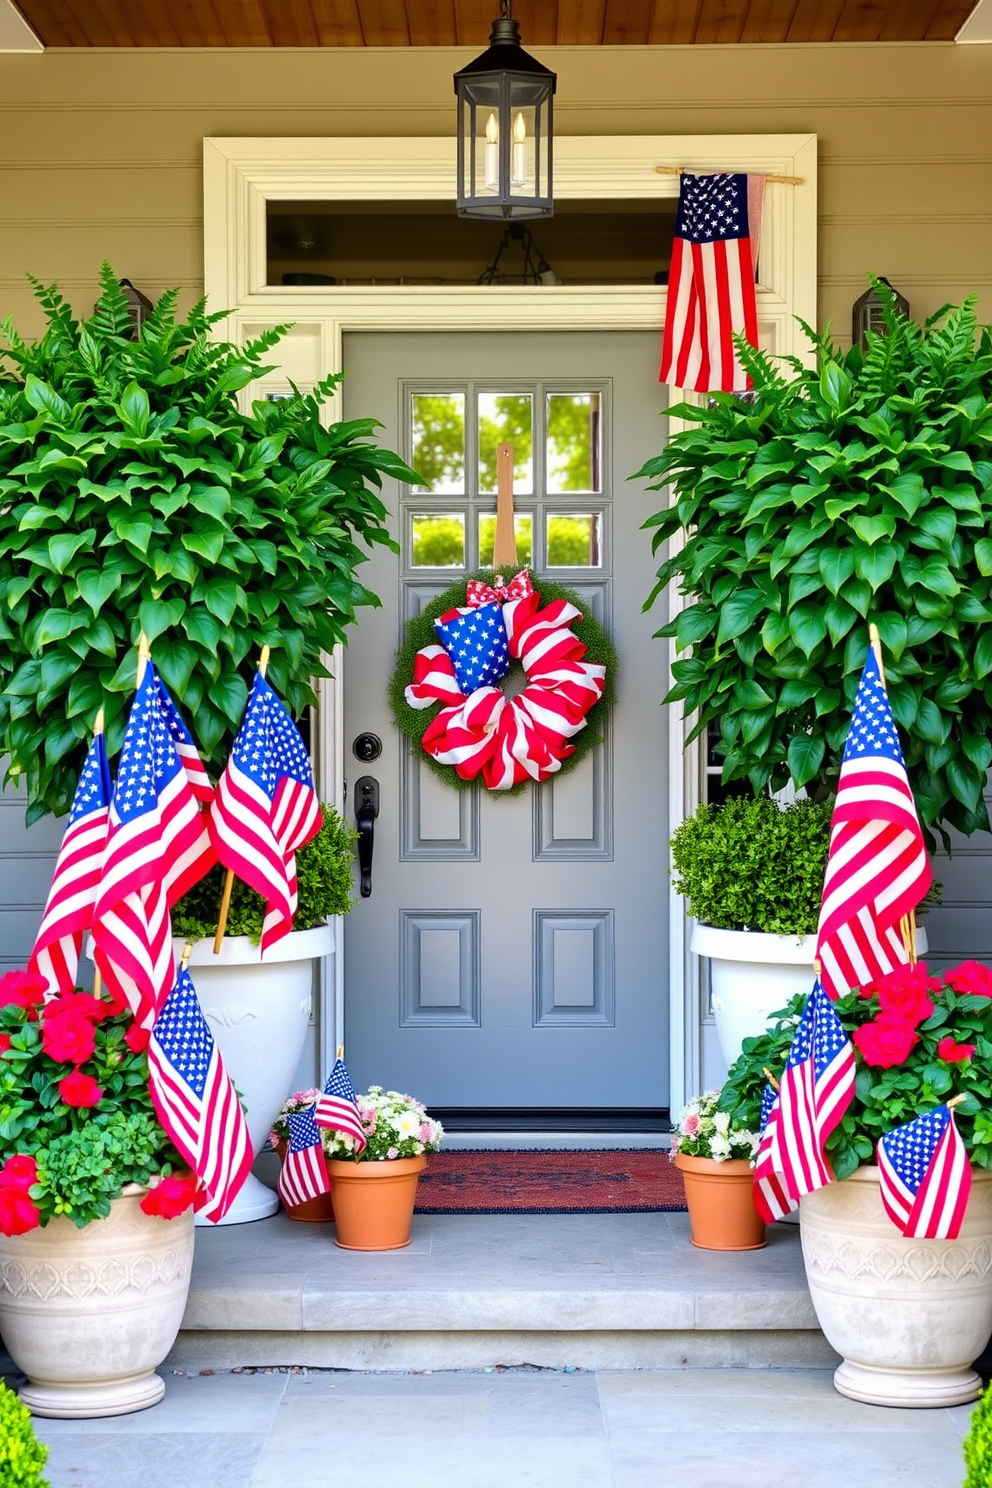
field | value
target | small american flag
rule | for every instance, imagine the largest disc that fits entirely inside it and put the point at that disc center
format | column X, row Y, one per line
column 69, row 910
column 195, row 1100
column 877, row 866
column 711, row 282
column 817, row 1088
column 337, row 1107
column 476, row 641
column 303, row 1174
column 157, row 848
column 771, row 1198
column 925, row 1176
column 266, row 807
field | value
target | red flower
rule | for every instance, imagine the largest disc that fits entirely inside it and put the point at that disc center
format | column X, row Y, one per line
column 23, row 989
column 17, row 1213
column 4, row 1042
column 886, row 1041
column 953, row 1053
column 137, row 1038
column 83, row 1005
column 971, row 978
column 903, row 993
column 19, row 1172
column 78, row 1089
column 66, row 1035
column 170, row 1196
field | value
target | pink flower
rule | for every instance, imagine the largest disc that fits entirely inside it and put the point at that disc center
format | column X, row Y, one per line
column 904, row 993
column 4, row 1042
column 19, row 1172
column 691, row 1124
column 971, row 977
column 393, row 1152
column 953, row 1053
column 426, row 1131
column 17, row 1213
column 885, row 1042
column 66, row 1035
column 137, row 1038
column 24, row 989
column 78, row 1089
column 170, row 1197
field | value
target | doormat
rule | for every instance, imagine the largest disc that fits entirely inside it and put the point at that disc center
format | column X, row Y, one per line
column 546, row 1182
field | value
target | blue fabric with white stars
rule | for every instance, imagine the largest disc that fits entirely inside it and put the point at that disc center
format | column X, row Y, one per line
column 819, row 1032
column 768, row 1098
column 303, row 1130
column 712, row 209
column 477, row 644
column 183, row 1034
column 873, row 729
column 148, row 760
column 94, row 789
column 910, row 1148
column 269, row 747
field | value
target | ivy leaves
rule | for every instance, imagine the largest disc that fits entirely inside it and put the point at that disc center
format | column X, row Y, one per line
column 859, row 489
column 135, row 494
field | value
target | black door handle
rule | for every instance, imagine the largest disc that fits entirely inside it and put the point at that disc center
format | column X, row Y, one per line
column 366, row 811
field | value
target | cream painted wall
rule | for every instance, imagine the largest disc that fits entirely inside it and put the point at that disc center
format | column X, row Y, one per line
column 100, row 152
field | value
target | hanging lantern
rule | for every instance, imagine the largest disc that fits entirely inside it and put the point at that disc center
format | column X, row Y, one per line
column 868, row 313
column 505, row 129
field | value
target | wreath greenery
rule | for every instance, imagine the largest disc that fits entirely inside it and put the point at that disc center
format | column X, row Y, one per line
column 420, row 632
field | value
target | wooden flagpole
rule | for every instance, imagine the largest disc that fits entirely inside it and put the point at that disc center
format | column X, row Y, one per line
column 681, row 170
column 907, row 923
column 505, row 538
column 225, row 899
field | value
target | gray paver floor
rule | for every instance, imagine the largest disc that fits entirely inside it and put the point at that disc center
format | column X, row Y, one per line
column 515, row 1428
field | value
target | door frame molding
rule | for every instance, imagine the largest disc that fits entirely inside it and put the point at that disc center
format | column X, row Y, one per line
column 241, row 175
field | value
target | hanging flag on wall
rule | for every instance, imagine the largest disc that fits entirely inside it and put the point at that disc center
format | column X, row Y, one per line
column 711, row 282
column 925, row 1176
column 877, row 865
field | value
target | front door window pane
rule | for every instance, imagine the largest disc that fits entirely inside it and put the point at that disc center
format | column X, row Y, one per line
column 523, row 526
column 506, row 418
column 437, row 540
column 574, row 541
column 573, row 448
column 437, row 445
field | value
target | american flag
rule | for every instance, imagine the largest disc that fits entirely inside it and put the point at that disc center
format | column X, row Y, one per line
column 337, row 1107
column 476, row 641
column 157, row 848
column 925, row 1176
column 711, row 282
column 816, row 1090
column 771, row 1198
column 266, row 807
column 877, row 866
column 195, row 1100
column 303, row 1174
column 69, row 910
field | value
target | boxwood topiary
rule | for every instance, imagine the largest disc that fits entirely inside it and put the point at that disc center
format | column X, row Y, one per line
column 22, row 1455
column 978, row 1444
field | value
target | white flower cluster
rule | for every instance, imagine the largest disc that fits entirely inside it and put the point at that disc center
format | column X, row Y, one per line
column 395, row 1126
column 703, row 1131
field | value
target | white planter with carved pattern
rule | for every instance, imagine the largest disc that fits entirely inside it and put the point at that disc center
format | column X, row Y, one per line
column 259, row 1011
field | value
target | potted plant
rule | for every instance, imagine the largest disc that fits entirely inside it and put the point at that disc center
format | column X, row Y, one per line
column 752, row 875
column 375, row 1188
column 857, row 487
column 22, row 1455
column 260, row 1009
column 713, row 1153
column 908, row 1315
column 319, row 1210
column 96, row 1228
column 978, row 1444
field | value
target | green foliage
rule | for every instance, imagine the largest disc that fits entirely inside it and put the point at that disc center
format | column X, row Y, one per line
column 859, row 489
column 420, row 632
column 741, row 1091
column 751, row 864
column 135, row 493
column 22, row 1455
column 82, row 1169
column 323, row 873
column 978, row 1444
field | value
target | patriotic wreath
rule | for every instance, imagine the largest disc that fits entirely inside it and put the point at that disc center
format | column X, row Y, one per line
column 477, row 634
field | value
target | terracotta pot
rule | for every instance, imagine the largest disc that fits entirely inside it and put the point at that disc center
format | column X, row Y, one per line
column 722, row 1215
column 89, row 1314
column 313, row 1211
column 908, row 1316
column 373, row 1202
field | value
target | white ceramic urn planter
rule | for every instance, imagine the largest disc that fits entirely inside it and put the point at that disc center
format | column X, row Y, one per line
column 89, row 1314
column 258, row 1011
column 908, row 1316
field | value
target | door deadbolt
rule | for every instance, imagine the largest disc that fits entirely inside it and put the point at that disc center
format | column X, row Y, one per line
column 367, row 747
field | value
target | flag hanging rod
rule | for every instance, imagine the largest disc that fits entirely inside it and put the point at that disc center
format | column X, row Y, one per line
column 681, row 170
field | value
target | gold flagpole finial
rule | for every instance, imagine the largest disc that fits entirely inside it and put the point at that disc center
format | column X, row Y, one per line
column 144, row 656
column 263, row 660
column 187, row 952
column 340, row 1053
column 99, row 723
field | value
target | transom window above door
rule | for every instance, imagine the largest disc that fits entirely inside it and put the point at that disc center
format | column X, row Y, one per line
column 561, row 504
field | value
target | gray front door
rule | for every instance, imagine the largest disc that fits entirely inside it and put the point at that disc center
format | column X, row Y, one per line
column 513, row 952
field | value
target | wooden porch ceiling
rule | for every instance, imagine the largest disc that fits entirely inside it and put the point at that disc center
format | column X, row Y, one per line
column 401, row 23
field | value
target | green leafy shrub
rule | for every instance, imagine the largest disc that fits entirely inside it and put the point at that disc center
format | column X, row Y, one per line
column 857, row 489
column 136, row 494
column 323, row 875
column 744, row 1086
column 752, row 864
column 978, row 1444
column 22, row 1455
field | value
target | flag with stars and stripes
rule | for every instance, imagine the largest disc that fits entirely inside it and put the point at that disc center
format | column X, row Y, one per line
column 476, row 641
column 196, row 1101
column 816, row 1089
column 266, row 808
column 303, row 1174
column 771, row 1199
column 337, row 1106
column 711, row 282
column 877, row 866
column 925, row 1176
column 157, row 848
column 69, row 910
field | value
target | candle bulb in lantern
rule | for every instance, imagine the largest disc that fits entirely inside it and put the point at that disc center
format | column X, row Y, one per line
column 518, row 173
column 492, row 154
